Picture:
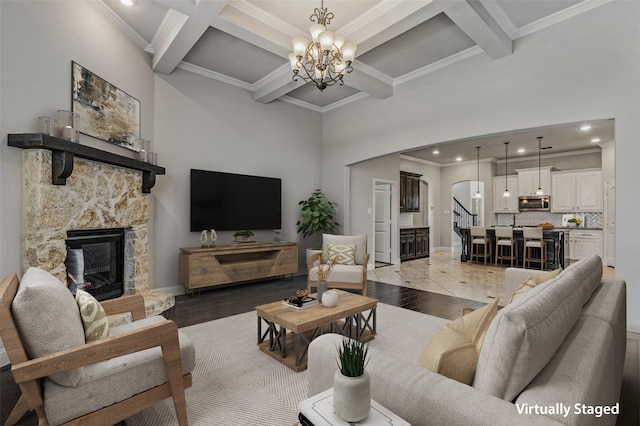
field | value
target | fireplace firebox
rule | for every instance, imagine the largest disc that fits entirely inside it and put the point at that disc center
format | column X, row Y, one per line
column 95, row 261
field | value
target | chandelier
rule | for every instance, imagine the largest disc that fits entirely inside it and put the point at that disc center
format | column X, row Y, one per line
column 325, row 59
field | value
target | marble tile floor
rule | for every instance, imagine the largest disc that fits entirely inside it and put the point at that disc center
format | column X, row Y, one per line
column 443, row 273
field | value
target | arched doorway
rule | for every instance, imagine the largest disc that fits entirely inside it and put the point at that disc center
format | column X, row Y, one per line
column 467, row 209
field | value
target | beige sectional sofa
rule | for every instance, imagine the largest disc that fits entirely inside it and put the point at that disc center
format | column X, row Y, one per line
column 553, row 356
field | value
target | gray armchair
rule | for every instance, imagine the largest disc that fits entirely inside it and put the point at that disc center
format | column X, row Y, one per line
column 68, row 380
column 343, row 275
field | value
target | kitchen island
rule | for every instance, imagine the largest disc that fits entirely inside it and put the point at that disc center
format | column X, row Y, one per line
column 554, row 239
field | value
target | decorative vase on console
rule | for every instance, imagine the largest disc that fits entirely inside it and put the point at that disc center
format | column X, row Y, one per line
column 351, row 383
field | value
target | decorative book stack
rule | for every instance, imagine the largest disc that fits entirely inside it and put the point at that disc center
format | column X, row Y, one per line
column 297, row 303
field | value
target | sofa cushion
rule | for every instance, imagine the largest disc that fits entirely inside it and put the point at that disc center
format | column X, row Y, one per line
column 453, row 351
column 343, row 254
column 533, row 281
column 341, row 274
column 94, row 318
column 48, row 319
column 360, row 241
column 546, row 276
column 524, row 287
column 115, row 379
column 526, row 334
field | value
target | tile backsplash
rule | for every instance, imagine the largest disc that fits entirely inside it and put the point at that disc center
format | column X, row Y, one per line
column 591, row 220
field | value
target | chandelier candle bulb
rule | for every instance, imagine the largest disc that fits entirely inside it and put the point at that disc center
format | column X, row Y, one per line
column 326, row 41
column 300, row 45
column 349, row 52
column 315, row 31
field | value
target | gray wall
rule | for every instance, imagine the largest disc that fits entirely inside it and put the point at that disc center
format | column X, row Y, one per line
column 587, row 67
column 38, row 44
column 193, row 122
column 204, row 124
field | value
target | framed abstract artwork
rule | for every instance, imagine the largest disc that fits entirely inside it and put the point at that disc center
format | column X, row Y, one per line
column 104, row 111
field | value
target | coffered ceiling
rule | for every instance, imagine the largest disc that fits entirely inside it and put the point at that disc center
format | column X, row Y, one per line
column 245, row 43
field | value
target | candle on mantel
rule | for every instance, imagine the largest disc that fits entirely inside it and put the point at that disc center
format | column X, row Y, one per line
column 69, row 133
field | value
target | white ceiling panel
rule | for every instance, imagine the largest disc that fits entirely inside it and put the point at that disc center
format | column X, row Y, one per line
column 312, row 95
column 224, row 54
column 524, row 12
column 422, row 45
column 245, row 42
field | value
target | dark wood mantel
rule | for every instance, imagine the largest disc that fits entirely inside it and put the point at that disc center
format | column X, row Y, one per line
column 63, row 153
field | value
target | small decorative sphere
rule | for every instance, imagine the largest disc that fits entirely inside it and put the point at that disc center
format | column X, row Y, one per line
column 302, row 293
column 329, row 298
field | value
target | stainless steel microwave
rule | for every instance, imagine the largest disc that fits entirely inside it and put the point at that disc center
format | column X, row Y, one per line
column 534, row 203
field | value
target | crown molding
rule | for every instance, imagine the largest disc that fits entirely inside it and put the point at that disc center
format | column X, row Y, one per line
column 513, row 32
column 215, row 76
column 442, row 63
column 124, row 27
column 171, row 20
column 260, row 15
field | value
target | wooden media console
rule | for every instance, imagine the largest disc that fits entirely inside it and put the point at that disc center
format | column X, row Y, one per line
column 211, row 266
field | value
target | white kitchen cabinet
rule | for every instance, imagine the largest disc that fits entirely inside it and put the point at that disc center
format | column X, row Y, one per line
column 577, row 191
column 505, row 204
column 584, row 243
column 529, row 180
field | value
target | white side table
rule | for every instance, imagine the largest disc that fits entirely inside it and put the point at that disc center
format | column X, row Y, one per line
column 318, row 411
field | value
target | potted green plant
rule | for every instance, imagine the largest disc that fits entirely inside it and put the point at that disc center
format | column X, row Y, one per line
column 351, row 382
column 243, row 235
column 317, row 219
column 317, row 216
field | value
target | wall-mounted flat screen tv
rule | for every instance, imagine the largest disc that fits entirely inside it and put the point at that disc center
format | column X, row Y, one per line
column 232, row 202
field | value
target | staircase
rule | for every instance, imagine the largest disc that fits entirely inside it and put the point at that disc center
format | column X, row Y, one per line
column 462, row 218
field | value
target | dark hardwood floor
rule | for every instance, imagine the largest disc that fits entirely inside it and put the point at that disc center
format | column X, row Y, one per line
column 226, row 301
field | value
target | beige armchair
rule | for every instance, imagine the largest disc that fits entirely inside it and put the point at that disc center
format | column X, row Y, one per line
column 343, row 275
column 68, row 381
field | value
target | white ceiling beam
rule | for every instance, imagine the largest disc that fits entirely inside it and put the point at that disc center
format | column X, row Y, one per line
column 179, row 32
column 387, row 21
column 472, row 18
column 276, row 84
column 369, row 80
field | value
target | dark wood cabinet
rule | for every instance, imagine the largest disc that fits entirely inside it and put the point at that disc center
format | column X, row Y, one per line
column 409, row 192
column 414, row 243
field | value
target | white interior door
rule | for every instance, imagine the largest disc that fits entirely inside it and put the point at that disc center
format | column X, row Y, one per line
column 610, row 223
column 383, row 223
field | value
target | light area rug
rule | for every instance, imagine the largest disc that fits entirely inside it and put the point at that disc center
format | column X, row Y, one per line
column 234, row 383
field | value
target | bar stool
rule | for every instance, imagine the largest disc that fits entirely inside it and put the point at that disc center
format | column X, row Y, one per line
column 504, row 240
column 479, row 238
column 533, row 242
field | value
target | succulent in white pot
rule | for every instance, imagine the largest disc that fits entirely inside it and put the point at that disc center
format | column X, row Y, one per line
column 351, row 382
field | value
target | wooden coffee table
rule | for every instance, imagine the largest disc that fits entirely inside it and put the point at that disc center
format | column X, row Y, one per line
column 354, row 317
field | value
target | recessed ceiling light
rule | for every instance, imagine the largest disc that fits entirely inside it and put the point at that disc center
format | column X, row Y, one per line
column 521, row 150
column 436, row 151
column 585, row 127
column 127, row 2
column 595, row 140
column 458, row 158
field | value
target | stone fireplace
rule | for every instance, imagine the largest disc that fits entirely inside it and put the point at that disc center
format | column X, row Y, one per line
column 96, row 196
column 96, row 260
